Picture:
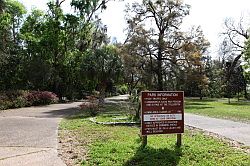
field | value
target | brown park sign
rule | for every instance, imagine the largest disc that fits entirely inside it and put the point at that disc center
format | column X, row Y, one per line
column 162, row 112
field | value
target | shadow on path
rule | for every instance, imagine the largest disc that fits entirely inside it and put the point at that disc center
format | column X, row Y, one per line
column 197, row 107
column 195, row 103
column 238, row 103
column 61, row 113
column 50, row 111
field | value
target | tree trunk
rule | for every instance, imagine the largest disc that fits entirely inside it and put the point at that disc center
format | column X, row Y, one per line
column 245, row 93
column 229, row 97
column 102, row 93
column 130, row 92
column 159, row 75
column 137, row 113
column 159, row 61
column 238, row 93
column 130, row 85
column 201, row 97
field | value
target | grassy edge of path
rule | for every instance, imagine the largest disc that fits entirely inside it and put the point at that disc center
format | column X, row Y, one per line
column 85, row 143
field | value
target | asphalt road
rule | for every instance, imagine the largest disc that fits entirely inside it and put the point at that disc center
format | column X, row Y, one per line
column 236, row 131
column 28, row 136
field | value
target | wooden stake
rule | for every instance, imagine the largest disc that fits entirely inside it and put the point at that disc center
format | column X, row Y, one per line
column 178, row 143
column 144, row 141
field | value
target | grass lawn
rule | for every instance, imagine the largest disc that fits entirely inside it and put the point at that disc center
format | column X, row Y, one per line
column 120, row 145
column 219, row 108
column 121, row 112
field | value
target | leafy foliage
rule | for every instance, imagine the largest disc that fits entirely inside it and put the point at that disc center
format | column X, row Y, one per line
column 103, row 68
column 21, row 98
column 41, row 98
column 166, row 52
column 70, row 54
column 52, row 46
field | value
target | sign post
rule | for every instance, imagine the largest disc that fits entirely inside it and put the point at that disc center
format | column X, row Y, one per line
column 178, row 142
column 162, row 112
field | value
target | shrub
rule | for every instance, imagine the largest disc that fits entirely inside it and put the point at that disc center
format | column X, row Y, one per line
column 12, row 99
column 48, row 97
column 21, row 98
column 91, row 108
column 19, row 102
column 5, row 104
column 122, row 89
column 41, row 98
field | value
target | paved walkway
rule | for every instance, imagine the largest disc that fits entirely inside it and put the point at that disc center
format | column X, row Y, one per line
column 28, row 136
column 236, row 131
column 116, row 99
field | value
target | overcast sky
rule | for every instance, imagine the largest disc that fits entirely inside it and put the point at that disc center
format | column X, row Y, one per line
column 209, row 14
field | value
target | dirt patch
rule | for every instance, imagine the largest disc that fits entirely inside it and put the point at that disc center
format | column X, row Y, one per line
column 71, row 150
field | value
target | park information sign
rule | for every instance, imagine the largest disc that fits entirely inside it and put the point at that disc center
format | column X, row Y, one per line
column 162, row 112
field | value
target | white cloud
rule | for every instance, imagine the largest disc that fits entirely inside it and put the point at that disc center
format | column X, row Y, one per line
column 113, row 17
column 210, row 14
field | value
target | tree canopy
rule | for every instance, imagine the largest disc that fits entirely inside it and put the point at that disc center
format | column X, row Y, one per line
column 71, row 54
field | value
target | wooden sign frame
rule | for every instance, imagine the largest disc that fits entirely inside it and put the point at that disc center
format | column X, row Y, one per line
column 162, row 112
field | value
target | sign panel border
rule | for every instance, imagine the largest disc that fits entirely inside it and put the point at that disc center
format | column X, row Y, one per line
column 142, row 113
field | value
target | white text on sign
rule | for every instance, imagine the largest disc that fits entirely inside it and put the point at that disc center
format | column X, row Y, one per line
column 160, row 117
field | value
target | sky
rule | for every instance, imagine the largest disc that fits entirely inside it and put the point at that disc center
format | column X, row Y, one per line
column 209, row 14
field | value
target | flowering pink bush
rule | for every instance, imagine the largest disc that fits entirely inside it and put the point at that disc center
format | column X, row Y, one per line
column 21, row 98
column 41, row 98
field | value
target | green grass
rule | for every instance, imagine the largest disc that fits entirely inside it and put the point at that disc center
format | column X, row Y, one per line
column 219, row 108
column 117, row 113
column 113, row 118
column 121, row 146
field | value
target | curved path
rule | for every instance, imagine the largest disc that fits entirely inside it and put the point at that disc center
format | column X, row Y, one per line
column 236, row 131
column 28, row 136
